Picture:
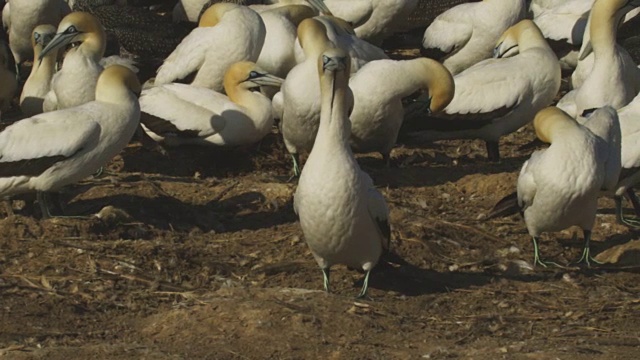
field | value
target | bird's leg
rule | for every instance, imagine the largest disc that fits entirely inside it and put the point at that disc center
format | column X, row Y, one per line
column 365, row 286
column 386, row 158
column 630, row 222
column 296, row 167
column 586, row 252
column 325, row 279
column 493, row 150
column 633, row 198
column 536, row 255
column 43, row 203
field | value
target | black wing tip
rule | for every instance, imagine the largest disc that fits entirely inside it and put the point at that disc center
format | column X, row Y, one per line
column 507, row 206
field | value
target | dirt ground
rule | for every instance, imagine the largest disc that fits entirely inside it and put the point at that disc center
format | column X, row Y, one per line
column 198, row 255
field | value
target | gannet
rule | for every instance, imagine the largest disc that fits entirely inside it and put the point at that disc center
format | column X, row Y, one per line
column 8, row 81
column 603, row 23
column 630, row 159
column 614, row 78
column 378, row 111
column 373, row 20
column 227, row 33
column 344, row 219
column 297, row 104
column 38, row 84
column 467, row 33
column 277, row 56
column 187, row 114
column 558, row 187
column 497, row 96
column 341, row 34
column 24, row 16
column 51, row 150
column 191, row 10
column 75, row 83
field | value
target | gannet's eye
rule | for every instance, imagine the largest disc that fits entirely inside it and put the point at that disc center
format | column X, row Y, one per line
column 71, row 30
column 36, row 37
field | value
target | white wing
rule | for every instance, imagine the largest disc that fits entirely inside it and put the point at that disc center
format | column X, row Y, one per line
column 355, row 11
column 189, row 56
column 447, row 34
column 187, row 108
column 56, row 134
column 378, row 210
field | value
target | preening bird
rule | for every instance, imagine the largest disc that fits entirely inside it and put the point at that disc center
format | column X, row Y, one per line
column 497, row 96
column 614, row 79
column 227, row 33
column 559, row 187
column 378, row 89
column 345, row 220
column 48, row 151
column 466, row 34
column 186, row 114
column 38, row 83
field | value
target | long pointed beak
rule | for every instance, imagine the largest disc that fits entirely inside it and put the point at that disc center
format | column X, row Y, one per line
column 269, row 80
column 320, row 6
column 58, row 41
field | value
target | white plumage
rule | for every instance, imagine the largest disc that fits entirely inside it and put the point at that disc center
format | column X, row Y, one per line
column 186, row 114
column 467, row 33
column 227, row 33
column 558, row 187
column 345, row 220
column 497, row 96
column 51, row 150
column 378, row 111
column 24, row 16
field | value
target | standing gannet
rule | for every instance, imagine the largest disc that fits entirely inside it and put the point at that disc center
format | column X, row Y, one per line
column 297, row 105
column 8, row 80
column 467, row 33
column 378, row 112
column 344, row 219
column 603, row 23
column 51, row 150
column 39, row 82
column 187, row 114
column 75, row 83
column 558, row 187
column 614, row 79
column 497, row 96
column 227, row 33
column 24, row 16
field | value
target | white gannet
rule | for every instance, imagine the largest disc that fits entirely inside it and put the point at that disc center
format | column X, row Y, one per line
column 277, row 56
column 75, row 83
column 467, row 33
column 39, row 82
column 603, row 23
column 497, row 96
column 344, row 219
column 373, row 20
column 24, row 16
column 558, row 187
column 51, row 150
column 297, row 105
column 614, row 79
column 563, row 23
column 341, row 34
column 186, row 114
column 227, row 33
column 8, row 80
column 378, row 111
column 630, row 159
